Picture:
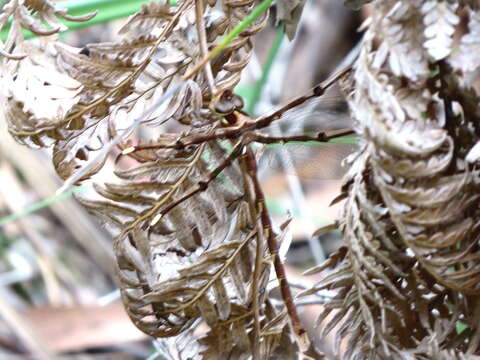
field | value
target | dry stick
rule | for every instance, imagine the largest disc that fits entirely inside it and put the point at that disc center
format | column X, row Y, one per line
column 320, row 137
column 259, row 250
column 202, row 39
column 287, row 297
column 259, row 263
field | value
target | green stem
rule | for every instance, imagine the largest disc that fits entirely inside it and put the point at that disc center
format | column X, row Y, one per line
column 344, row 140
column 40, row 205
column 260, row 9
column 107, row 10
column 260, row 84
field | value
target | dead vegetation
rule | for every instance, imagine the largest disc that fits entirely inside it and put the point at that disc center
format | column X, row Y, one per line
column 150, row 125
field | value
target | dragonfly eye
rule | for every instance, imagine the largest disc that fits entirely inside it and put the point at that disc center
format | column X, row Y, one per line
column 224, row 108
column 238, row 101
column 228, row 103
column 85, row 51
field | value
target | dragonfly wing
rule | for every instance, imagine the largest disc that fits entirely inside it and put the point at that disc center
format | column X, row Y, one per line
column 311, row 160
column 308, row 161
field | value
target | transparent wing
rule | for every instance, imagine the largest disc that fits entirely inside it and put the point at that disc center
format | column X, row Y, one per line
column 307, row 160
column 311, row 160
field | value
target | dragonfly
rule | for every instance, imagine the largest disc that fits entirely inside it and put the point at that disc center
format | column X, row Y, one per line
column 307, row 137
column 241, row 131
column 310, row 160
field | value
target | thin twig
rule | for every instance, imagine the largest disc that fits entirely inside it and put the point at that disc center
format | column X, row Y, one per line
column 259, row 254
column 202, row 40
column 287, row 297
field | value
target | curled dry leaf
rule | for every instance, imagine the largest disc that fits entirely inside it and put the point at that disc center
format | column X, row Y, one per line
column 289, row 13
column 409, row 271
column 37, row 97
column 191, row 227
column 38, row 16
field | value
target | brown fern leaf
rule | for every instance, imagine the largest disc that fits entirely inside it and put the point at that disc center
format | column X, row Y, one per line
column 38, row 16
column 182, row 347
column 122, row 80
column 189, row 238
column 231, row 341
column 119, row 81
column 432, row 206
column 38, row 96
column 228, row 342
column 150, row 17
column 195, row 260
column 384, row 300
column 190, row 221
column 289, row 12
column 430, row 348
column 411, row 266
column 187, row 251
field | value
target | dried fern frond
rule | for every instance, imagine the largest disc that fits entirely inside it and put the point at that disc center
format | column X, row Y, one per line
column 465, row 59
column 289, row 13
column 38, row 16
column 186, row 251
column 119, row 81
column 430, row 348
column 227, row 342
column 440, row 229
column 37, row 96
column 183, row 347
column 411, row 265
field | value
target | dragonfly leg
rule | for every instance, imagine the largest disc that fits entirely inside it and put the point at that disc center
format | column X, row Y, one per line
column 203, row 184
column 272, row 243
column 320, row 137
column 317, row 91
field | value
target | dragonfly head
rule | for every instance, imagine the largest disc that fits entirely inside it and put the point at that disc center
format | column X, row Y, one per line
column 227, row 104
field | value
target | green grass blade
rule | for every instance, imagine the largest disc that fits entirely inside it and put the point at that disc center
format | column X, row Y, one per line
column 40, row 205
column 260, row 9
column 260, row 84
column 107, row 10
